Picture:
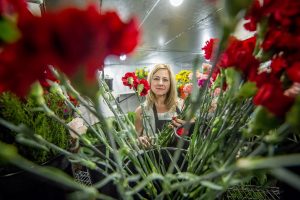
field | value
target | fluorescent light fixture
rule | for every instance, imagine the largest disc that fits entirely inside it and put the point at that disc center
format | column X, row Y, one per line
column 161, row 41
column 176, row 3
column 123, row 57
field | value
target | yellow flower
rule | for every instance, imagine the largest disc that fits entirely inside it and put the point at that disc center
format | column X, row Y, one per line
column 183, row 76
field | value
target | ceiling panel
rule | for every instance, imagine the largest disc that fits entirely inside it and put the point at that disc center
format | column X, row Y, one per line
column 169, row 34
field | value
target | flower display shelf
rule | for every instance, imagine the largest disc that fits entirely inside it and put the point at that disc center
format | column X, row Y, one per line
column 252, row 192
column 81, row 174
column 25, row 185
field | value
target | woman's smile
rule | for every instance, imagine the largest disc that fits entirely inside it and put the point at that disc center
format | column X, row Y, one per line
column 160, row 83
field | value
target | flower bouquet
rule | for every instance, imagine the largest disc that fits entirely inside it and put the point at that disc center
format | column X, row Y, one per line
column 232, row 144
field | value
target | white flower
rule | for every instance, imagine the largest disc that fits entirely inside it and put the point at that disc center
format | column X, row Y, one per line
column 78, row 126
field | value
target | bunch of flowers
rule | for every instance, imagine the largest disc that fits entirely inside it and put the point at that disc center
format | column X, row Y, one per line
column 140, row 85
column 142, row 73
column 47, row 79
column 185, row 77
column 182, row 78
column 276, row 86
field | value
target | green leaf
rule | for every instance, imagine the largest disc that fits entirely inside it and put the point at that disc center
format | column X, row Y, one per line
column 7, row 151
column 261, row 122
column 211, row 185
column 9, row 31
column 247, row 90
column 140, row 88
column 293, row 116
column 269, row 162
column 233, row 7
column 233, row 78
column 37, row 93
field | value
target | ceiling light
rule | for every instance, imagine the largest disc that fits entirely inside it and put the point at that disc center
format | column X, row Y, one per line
column 176, row 3
column 123, row 57
column 161, row 41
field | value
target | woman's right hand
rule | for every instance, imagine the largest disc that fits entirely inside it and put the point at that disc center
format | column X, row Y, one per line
column 145, row 141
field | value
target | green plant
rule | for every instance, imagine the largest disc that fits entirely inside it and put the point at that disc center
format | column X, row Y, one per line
column 26, row 112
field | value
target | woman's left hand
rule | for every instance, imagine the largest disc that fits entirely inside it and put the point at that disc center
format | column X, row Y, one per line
column 178, row 122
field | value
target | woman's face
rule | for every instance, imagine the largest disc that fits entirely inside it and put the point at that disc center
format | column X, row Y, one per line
column 160, row 83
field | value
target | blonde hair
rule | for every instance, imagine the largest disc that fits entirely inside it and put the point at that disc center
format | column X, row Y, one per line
column 171, row 95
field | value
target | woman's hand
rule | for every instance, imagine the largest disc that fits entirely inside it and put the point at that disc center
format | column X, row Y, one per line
column 145, row 141
column 177, row 122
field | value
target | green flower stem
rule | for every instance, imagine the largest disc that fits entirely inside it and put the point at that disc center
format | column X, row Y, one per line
column 203, row 152
column 190, row 179
column 151, row 177
column 176, row 157
column 287, row 176
column 66, row 83
column 144, row 121
column 140, row 159
column 269, row 162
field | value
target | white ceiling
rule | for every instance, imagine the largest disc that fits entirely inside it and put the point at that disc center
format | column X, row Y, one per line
column 170, row 34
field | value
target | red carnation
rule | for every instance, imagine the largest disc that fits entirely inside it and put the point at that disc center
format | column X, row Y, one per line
column 47, row 75
column 209, row 48
column 123, row 38
column 180, row 131
column 18, row 72
column 130, row 79
column 282, row 12
column 59, row 40
column 239, row 55
column 254, row 15
column 294, row 72
column 142, row 87
column 11, row 7
column 278, row 64
column 270, row 95
column 73, row 100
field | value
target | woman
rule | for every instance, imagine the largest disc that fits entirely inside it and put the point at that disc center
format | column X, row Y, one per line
column 161, row 105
